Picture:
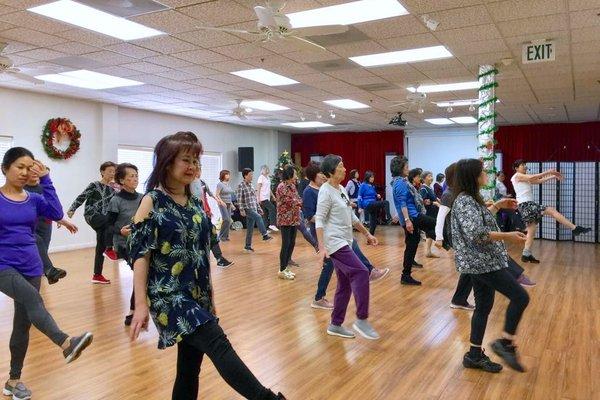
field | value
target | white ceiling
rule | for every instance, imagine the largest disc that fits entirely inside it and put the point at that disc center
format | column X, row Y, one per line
column 190, row 68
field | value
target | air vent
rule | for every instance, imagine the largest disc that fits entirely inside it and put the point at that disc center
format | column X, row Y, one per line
column 125, row 8
column 350, row 36
column 333, row 65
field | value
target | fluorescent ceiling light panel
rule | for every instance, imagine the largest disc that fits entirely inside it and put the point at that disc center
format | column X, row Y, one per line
column 95, row 20
column 439, row 121
column 265, row 77
column 307, row 124
column 88, row 80
column 263, row 105
column 464, row 120
column 402, row 56
column 348, row 13
column 445, row 87
column 457, row 103
column 347, row 104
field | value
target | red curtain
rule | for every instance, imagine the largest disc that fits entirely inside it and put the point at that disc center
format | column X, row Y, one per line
column 360, row 150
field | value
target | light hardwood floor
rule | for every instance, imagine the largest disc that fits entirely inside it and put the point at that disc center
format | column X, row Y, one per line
column 283, row 340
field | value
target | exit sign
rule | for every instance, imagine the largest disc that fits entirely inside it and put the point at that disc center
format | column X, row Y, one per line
column 536, row 52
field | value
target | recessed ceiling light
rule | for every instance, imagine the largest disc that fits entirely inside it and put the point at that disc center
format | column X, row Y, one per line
column 347, row 104
column 263, row 105
column 99, row 21
column 457, row 103
column 88, row 80
column 403, row 56
column 464, row 120
column 307, row 124
column 265, row 77
column 439, row 121
column 445, row 87
column 348, row 13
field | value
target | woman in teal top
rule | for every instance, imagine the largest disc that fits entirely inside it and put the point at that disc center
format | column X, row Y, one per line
column 169, row 247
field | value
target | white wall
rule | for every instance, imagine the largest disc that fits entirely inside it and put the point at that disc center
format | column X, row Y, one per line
column 434, row 150
column 103, row 128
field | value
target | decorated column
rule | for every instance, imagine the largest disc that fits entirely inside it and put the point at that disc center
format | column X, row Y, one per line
column 487, row 125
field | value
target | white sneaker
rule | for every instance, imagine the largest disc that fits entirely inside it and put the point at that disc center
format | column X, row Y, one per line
column 273, row 228
column 285, row 275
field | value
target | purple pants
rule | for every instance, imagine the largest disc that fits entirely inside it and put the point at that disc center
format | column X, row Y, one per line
column 352, row 277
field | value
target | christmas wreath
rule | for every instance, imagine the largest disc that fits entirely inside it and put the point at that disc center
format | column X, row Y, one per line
column 60, row 131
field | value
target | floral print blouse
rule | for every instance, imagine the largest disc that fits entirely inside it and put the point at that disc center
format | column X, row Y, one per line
column 472, row 223
column 288, row 204
column 178, row 239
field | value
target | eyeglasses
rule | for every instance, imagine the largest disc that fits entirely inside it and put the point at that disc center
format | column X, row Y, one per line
column 345, row 199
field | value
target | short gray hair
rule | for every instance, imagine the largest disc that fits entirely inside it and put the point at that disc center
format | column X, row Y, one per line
column 264, row 168
column 329, row 164
column 425, row 173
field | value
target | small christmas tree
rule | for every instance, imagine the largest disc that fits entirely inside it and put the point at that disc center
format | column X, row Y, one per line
column 284, row 159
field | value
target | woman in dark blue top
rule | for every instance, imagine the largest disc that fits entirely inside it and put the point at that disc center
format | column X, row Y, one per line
column 371, row 202
column 432, row 205
column 169, row 247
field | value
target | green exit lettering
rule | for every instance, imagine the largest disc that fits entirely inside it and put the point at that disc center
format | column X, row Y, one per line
column 538, row 52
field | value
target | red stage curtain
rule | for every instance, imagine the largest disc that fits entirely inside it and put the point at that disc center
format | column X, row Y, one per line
column 360, row 150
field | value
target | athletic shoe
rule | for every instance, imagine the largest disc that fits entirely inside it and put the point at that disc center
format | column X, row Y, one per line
column 508, row 352
column 286, row 275
column 18, row 392
column 111, row 254
column 468, row 307
column 128, row 320
column 483, row 363
column 365, row 329
column 266, row 238
column 417, row 265
column 55, row 274
column 224, row 263
column 100, row 279
column 530, row 258
column 409, row 280
column 248, row 249
column 525, row 281
column 76, row 346
column 580, row 230
column 273, row 228
column 322, row 304
column 335, row 330
column 293, row 263
column 378, row 274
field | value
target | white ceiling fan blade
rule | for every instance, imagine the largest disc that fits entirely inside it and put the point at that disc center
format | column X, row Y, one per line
column 210, row 28
column 306, row 44
column 320, row 30
column 25, row 77
column 265, row 17
column 402, row 104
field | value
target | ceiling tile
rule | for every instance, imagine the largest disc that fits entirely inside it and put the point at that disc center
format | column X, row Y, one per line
column 217, row 13
column 209, row 39
column 41, row 54
column 168, row 61
column 165, row 44
column 201, row 56
column 74, row 48
column 14, row 46
column 575, row 5
column 109, row 57
column 87, row 37
column 177, row 75
column 386, row 28
column 482, row 46
column 357, row 48
column 32, row 37
column 511, row 10
column 522, row 27
column 27, row 19
column 583, row 19
column 145, row 67
column 459, row 18
column 426, row 6
column 131, row 50
column 409, row 42
column 169, row 21
column 242, row 50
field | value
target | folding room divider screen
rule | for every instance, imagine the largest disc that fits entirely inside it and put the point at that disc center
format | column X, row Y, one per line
column 576, row 197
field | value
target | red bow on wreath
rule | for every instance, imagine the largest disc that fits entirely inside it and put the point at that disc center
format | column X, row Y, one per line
column 59, row 130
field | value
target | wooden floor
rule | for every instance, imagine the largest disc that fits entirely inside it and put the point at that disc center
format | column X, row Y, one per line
column 283, row 340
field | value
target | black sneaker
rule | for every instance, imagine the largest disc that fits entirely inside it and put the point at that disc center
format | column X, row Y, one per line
column 76, row 346
column 248, row 249
column 483, row 363
column 128, row 320
column 530, row 259
column 224, row 263
column 417, row 265
column 508, row 354
column 55, row 274
column 266, row 238
column 409, row 280
column 580, row 230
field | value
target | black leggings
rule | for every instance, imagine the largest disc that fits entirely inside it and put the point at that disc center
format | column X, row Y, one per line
column 373, row 210
column 421, row 222
column 99, row 223
column 288, row 241
column 210, row 339
column 485, row 287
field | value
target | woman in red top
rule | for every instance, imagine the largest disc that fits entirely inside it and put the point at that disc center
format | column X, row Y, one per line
column 288, row 219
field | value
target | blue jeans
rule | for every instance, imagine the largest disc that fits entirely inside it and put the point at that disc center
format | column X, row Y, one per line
column 308, row 234
column 253, row 217
column 226, row 217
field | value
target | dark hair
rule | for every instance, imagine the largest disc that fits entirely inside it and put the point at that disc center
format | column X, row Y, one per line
column 107, row 164
column 165, row 152
column 413, row 173
column 288, row 172
column 312, row 170
column 450, row 173
column 397, row 165
column 246, row 171
column 353, row 173
column 12, row 155
column 122, row 171
column 518, row 163
column 439, row 178
column 329, row 164
column 368, row 176
column 223, row 174
column 467, row 178
column 500, row 173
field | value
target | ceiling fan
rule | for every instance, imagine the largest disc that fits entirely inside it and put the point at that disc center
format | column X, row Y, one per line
column 6, row 67
column 238, row 111
column 274, row 25
column 413, row 100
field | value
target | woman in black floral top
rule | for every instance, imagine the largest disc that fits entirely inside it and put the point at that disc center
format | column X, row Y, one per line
column 480, row 253
column 169, row 248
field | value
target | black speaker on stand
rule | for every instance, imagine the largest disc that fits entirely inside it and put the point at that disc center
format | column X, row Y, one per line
column 245, row 158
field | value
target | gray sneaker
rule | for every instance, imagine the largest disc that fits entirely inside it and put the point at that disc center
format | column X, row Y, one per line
column 335, row 330
column 365, row 329
column 76, row 346
column 18, row 392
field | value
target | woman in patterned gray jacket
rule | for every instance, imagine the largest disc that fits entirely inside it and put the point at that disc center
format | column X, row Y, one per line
column 480, row 252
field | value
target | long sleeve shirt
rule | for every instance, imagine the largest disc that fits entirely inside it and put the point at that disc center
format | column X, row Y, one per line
column 404, row 198
column 352, row 188
column 335, row 216
column 18, row 220
column 309, row 202
column 288, row 204
column 366, row 195
column 96, row 197
column 246, row 197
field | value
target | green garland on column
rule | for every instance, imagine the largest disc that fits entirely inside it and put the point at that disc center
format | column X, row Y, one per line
column 487, row 125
